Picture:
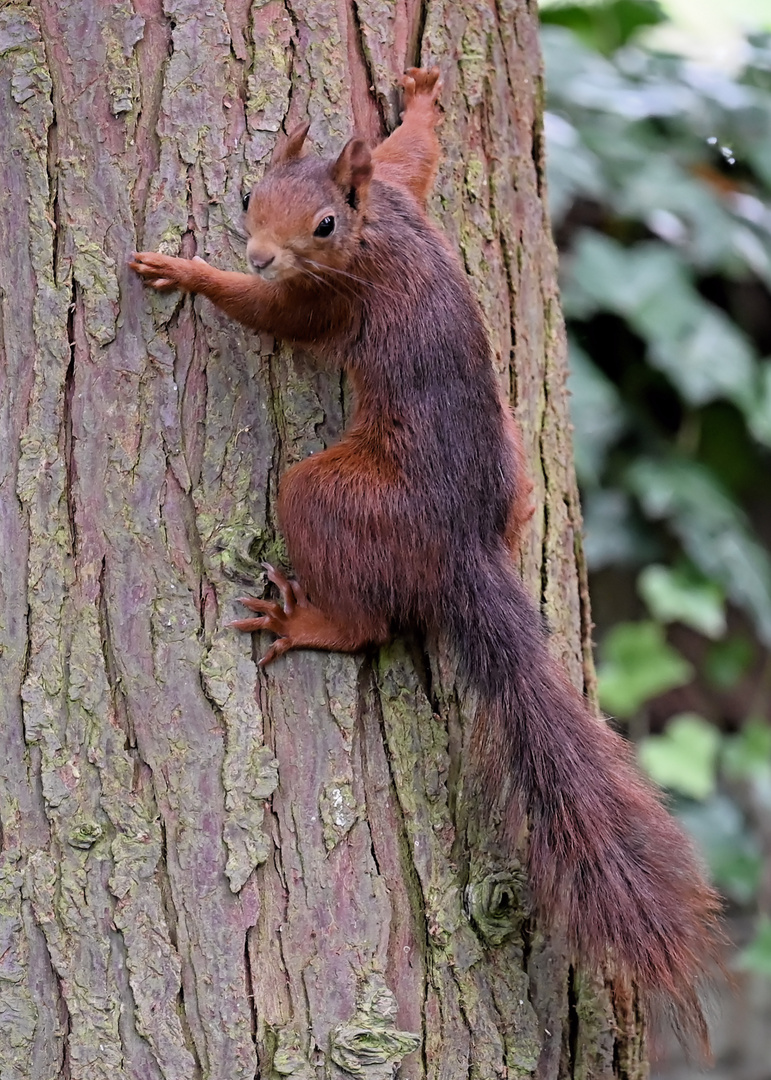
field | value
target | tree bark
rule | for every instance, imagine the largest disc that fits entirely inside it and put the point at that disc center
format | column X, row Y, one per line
column 207, row 870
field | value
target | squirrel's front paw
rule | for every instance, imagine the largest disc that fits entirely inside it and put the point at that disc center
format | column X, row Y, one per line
column 421, row 86
column 165, row 272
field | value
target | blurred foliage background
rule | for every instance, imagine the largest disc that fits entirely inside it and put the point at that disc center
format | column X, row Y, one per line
column 660, row 195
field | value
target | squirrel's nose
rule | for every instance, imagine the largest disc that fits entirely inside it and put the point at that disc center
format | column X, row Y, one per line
column 259, row 261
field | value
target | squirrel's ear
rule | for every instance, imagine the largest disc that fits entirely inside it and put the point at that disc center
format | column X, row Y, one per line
column 291, row 146
column 353, row 169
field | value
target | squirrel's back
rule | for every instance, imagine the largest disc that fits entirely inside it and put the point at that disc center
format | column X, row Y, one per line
column 422, row 361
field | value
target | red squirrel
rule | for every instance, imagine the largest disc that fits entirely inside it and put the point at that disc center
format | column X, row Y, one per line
column 410, row 520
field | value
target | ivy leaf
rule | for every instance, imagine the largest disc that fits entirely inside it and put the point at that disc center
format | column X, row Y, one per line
column 612, row 535
column 748, row 754
column 707, row 357
column 573, row 171
column 607, row 26
column 684, row 758
column 597, row 413
column 733, row 853
column 677, row 595
column 757, row 955
column 711, row 528
column 729, row 661
column 757, row 407
column 704, row 355
column 637, row 665
column 603, row 275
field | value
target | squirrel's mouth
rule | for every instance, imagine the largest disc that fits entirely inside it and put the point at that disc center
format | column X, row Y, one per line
column 269, row 260
column 276, row 271
column 270, row 273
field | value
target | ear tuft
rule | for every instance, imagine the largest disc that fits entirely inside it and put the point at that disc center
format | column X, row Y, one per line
column 290, row 147
column 353, row 169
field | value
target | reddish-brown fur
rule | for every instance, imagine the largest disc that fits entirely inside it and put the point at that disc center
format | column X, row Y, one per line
column 408, row 521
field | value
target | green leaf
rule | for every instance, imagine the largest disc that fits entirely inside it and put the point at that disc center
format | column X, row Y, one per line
column 712, row 529
column 748, row 754
column 678, row 205
column 737, row 870
column 603, row 275
column 608, row 26
column 680, row 595
column 757, row 955
column 637, row 665
column 597, row 413
column 732, row 852
column 757, row 407
column 612, row 533
column 573, row 170
column 702, row 352
column 705, row 357
column 729, row 661
column 684, row 758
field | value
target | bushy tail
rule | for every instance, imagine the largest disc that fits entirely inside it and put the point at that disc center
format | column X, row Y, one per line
column 605, row 859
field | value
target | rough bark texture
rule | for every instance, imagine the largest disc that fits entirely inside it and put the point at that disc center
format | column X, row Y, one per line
column 166, row 910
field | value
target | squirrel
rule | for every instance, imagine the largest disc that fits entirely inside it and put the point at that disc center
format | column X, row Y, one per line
column 411, row 519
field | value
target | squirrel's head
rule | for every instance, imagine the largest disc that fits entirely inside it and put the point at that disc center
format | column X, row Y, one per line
column 305, row 215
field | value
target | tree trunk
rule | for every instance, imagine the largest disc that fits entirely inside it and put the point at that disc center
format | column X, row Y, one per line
column 166, row 910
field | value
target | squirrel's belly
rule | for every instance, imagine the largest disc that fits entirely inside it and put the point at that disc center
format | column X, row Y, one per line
column 355, row 538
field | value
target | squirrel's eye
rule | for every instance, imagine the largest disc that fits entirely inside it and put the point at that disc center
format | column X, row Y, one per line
column 245, row 201
column 325, row 227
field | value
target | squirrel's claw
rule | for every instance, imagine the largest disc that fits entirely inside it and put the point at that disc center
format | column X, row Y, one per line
column 278, row 648
column 421, row 84
column 291, row 591
column 164, row 271
column 256, row 626
column 272, row 616
column 289, row 623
